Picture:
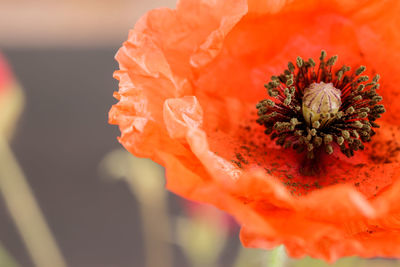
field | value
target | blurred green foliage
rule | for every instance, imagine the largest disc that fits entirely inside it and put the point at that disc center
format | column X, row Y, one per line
column 345, row 262
column 5, row 259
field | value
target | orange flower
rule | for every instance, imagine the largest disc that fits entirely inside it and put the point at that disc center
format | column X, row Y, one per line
column 11, row 99
column 189, row 82
column 5, row 75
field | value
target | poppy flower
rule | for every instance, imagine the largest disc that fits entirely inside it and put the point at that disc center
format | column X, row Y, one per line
column 189, row 83
column 11, row 99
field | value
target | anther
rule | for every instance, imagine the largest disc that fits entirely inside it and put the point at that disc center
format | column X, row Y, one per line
column 360, row 70
column 323, row 55
column 346, row 134
column 350, row 110
column 328, row 139
column 376, row 78
column 332, row 61
column 316, row 124
column 362, row 79
column 299, row 62
column 340, row 140
column 329, row 149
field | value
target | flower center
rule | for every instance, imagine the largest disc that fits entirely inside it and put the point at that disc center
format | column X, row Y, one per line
column 312, row 108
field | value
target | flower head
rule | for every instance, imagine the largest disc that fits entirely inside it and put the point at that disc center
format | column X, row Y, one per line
column 189, row 81
column 5, row 75
column 11, row 99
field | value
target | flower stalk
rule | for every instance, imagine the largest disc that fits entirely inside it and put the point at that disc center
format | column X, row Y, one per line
column 145, row 181
column 26, row 212
column 277, row 257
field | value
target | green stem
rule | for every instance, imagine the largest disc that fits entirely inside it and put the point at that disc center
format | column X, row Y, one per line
column 146, row 181
column 6, row 259
column 277, row 257
column 26, row 212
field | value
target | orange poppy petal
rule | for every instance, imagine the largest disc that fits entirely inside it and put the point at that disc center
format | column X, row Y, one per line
column 189, row 81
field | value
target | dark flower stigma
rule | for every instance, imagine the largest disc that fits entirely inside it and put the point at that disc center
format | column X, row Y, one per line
column 313, row 108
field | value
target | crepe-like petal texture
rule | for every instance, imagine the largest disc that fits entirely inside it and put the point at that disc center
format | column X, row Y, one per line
column 189, row 79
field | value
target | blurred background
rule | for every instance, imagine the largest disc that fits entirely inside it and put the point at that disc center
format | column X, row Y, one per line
column 70, row 196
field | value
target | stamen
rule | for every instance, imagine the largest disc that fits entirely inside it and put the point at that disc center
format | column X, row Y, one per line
column 315, row 108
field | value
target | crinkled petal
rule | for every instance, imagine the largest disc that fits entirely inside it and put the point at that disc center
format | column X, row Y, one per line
column 189, row 80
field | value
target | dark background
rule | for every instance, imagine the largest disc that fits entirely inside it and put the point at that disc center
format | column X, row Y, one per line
column 62, row 136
